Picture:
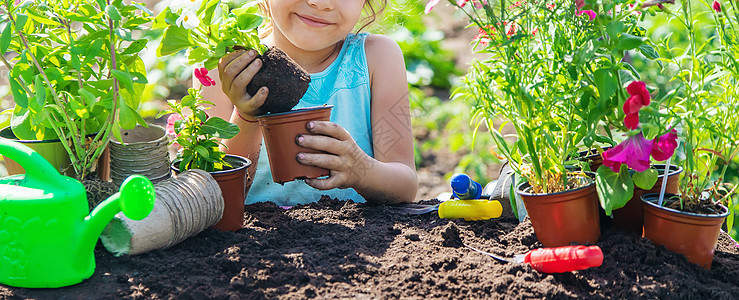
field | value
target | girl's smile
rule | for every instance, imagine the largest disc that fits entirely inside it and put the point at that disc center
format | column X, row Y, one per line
column 313, row 21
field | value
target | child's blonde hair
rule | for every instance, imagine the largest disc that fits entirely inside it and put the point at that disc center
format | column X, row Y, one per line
column 369, row 8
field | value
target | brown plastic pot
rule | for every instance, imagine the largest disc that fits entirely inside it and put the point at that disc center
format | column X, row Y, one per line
column 690, row 234
column 234, row 185
column 630, row 218
column 279, row 132
column 560, row 219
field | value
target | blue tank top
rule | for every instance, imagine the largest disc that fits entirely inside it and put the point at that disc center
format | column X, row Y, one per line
column 344, row 84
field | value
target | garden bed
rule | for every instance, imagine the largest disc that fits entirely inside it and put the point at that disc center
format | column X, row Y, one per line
column 338, row 249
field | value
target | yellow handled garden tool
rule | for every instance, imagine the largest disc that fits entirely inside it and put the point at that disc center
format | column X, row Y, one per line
column 470, row 210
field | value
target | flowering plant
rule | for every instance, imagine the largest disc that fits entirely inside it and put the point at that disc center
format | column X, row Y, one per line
column 208, row 29
column 697, row 114
column 198, row 133
column 75, row 70
column 554, row 75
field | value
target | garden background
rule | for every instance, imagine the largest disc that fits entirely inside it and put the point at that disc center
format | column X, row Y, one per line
column 437, row 49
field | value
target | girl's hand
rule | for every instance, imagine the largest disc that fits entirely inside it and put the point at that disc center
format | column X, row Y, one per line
column 236, row 70
column 344, row 158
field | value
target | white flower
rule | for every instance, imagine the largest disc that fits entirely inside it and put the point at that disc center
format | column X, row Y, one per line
column 193, row 5
column 188, row 19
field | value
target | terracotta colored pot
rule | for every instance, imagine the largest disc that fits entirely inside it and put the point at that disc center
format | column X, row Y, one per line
column 630, row 218
column 593, row 157
column 689, row 234
column 234, row 185
column 280, row 131
column 565, row 217
column 53, row 151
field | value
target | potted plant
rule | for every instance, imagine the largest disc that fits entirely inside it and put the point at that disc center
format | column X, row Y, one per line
column 198, row 135
column 522, row 82
column 703, row 110
column 208, row 29
column 75, row 74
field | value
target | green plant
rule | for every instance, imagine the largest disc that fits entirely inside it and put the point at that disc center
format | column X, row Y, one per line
column 555, row 75
column 208, row 29
column 74, row 71
column 198, row 134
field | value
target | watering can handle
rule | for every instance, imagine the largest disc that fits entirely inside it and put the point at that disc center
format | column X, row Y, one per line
column 37, row 167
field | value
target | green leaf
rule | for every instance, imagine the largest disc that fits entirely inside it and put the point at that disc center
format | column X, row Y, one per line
column 606, row 86
column 614, row 189
column 135, row 47
column 187, row 100
column 5, row 36
column 124, row 78
column 629, row 42
column 646, row 180
column 20, row 20
column 221, row 128
column 19, row 94
column 40, row 91
column 174, row 40
column 88, row 97
column 126, row 116
column 632, row 70
column 248, row 22
column 202, row 151
column 614, row 30
column 79, row 109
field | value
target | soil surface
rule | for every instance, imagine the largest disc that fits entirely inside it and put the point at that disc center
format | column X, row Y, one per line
column 285, row 80
column 338, row 249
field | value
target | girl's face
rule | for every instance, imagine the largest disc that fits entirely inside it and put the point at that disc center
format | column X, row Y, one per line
column 314, row 25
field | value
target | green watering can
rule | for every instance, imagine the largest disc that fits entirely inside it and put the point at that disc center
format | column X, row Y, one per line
column 46, row 236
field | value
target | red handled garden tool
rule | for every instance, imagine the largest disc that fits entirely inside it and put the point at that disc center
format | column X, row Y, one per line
column 555, row 260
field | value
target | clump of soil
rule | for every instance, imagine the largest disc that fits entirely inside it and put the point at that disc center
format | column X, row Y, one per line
column 338, row 249
column 286, row 80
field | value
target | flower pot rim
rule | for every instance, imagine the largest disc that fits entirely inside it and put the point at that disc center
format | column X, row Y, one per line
column 519, row 188
column 293, row 111
column 157, row 141
column 674, row 169
column 247, row 163
column 649, row 198
column 4, row 134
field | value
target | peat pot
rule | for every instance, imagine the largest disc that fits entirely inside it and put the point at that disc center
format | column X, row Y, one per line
column 143, row 151
column 53, row 151
column 690, row 234
column 234, row 185
column 630, row 218
column 564, row 217
column 280, row 131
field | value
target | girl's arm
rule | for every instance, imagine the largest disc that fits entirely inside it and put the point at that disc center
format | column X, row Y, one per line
column 389, row 177
column 235, row 71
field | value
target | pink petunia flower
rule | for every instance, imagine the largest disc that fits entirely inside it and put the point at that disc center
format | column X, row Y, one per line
column 640, row 97
column 591, row 14
column 430, row 5
column 634, row 152
column 202, row 75
column 170, row 124
column 716, row 6
column 664, row 146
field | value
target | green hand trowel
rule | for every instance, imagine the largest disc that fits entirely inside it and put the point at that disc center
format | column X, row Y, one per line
column 46, row 236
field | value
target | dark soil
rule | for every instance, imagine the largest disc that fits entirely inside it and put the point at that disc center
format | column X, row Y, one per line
column 286, row 80
column 337, row 249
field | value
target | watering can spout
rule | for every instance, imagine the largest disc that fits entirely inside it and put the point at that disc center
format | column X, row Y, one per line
column 135, row 199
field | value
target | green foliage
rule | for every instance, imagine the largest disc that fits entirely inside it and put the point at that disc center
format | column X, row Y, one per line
column 198, row 134
column 217, row 31
column 64, row 79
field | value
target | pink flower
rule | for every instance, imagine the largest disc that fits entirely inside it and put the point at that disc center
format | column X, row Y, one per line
column 664, row 146
column 476, row 3
column 591, row 14
column 202, row 75
column 634, row 152
column 170, row 123
column 716, row 6
column 430, row 6
column 639, row 98
column 579, row 4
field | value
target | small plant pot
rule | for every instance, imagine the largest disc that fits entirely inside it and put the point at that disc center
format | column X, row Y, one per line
column 143, row 151
column 560, row 219
column 279, row 132
column 630, row 218
column 690, row 234
column 234, row 185
column 53, row 151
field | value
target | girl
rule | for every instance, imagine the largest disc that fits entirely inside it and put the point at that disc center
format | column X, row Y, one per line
column 368, row 143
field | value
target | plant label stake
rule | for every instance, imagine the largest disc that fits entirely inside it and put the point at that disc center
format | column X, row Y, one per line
column 664, row 182
column 555, row 260
column 46, row 235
